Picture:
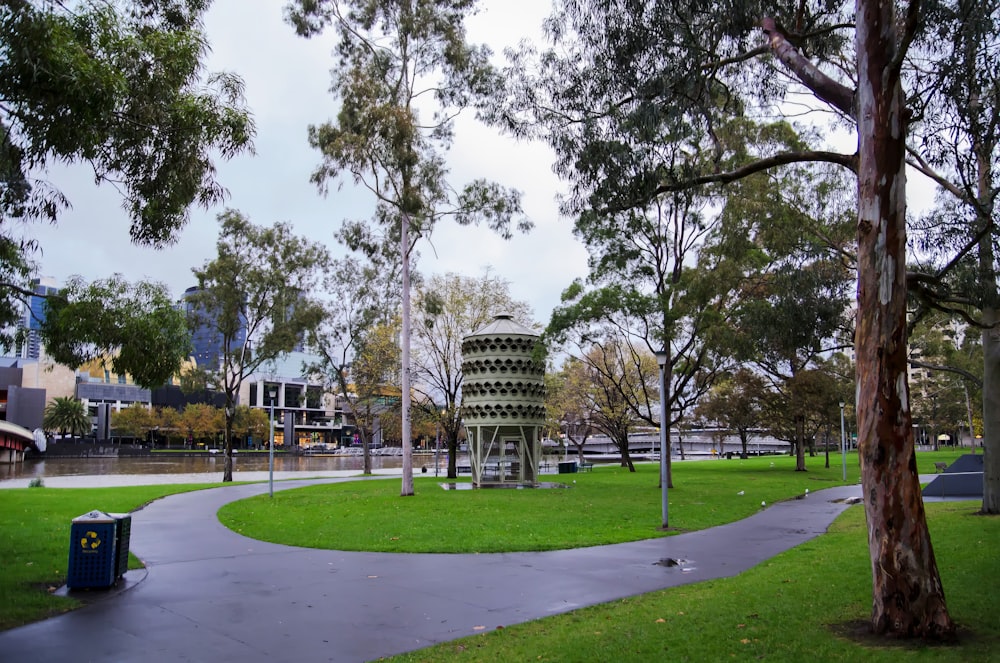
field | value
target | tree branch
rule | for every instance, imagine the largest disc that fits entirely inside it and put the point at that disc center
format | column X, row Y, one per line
column 910, row 26
column 923, row 167
column 847, row 160
column 916, row 363
column 837, row 95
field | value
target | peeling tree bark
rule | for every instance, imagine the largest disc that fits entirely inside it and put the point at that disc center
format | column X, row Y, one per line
column 907, row 596
column 908, row 599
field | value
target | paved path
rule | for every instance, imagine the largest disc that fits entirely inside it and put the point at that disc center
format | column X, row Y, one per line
column 209, row 594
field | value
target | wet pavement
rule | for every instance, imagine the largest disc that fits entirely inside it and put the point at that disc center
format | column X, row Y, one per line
column 210, row 594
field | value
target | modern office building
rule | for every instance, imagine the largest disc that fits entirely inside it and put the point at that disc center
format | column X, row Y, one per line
column 205, row 336
column 307, row 417
column 34, row 316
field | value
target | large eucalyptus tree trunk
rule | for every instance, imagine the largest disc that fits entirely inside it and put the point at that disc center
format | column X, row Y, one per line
column 991, row 341
column 991, row 411
column 908, row 599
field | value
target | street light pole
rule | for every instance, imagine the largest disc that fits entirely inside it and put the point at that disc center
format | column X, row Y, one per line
column 661, row 360
column 843, row 442
column 272, row 392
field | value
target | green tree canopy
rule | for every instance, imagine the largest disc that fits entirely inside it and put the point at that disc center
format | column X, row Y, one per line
column 256, row 296
column 118, row 85
column 136, row 328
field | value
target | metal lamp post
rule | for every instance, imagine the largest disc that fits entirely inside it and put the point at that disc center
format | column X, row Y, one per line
column 661, row 360
column 843, row 441
column 272, row 392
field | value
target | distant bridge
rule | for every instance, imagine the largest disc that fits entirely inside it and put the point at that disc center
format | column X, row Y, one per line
column 696, row 443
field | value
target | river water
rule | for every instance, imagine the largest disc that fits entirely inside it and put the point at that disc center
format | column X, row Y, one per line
column 79, row 472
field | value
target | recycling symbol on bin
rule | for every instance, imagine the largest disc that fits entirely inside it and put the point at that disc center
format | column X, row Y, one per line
column 90, row 541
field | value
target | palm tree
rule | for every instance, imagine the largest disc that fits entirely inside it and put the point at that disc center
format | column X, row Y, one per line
column 64, row 413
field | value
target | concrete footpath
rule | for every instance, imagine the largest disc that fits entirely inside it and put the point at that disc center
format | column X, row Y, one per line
column 210, row 594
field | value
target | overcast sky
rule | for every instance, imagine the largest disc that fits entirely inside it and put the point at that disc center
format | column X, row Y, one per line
column 287, row 81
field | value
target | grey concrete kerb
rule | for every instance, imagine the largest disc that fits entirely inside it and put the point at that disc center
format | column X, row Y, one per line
column 212, row 594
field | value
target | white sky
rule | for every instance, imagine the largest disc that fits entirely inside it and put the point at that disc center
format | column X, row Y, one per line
column 287, row 81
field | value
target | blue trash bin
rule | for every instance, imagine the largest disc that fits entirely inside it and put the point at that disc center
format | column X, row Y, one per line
column 123, row 536
column 92, row 551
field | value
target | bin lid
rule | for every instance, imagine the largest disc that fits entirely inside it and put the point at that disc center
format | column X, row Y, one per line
column 94, row 517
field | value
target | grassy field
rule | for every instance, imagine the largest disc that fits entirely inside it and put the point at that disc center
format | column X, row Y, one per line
column 34, row 542
column 808, row 604
column 608, row 505
column 798, row 605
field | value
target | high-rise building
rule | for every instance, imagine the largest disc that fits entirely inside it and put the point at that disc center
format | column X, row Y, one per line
column 206, row 338
column 34, row 316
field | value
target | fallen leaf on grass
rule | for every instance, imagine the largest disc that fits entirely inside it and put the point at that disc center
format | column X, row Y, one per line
column 661, row 620
column 745, row 641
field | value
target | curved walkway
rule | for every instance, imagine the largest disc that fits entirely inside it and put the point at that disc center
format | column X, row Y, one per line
column 210, row 594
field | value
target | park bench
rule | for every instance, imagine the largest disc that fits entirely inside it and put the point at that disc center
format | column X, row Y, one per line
column 463, row 469
column 585, row 466
column 940, row 467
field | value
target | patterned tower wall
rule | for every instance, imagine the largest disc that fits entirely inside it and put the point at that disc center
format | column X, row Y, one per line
column 502, row 385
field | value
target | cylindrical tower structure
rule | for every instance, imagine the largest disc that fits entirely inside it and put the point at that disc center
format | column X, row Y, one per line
column 503, row 402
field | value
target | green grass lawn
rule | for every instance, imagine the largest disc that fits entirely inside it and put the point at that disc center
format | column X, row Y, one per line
column 608, row 505
column 34, row 542
column 808, row 604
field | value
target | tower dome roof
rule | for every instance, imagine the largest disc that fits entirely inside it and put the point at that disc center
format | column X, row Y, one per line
column 503, row 324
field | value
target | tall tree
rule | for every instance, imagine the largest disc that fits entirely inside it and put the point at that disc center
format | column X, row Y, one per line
column 397, row 62
column 374, row 393
column 788, row 319
column 736, row 402
column 361, row 302
column 957, row 145
column 789, row 234
column 119, row 86
column 945, row 356
column 616, row 373
column 449, row 308
column 255, row 296
column 64, row 413
column 700, row 64
column 568, row 402
column 644, row 292
column 134, row 328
